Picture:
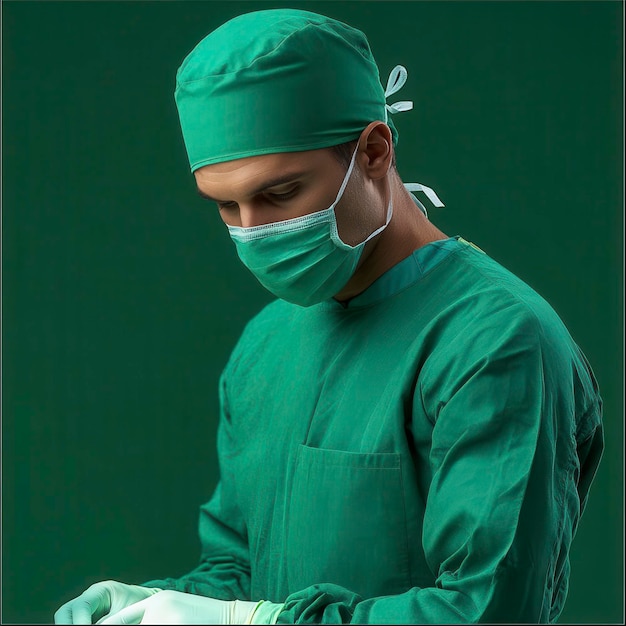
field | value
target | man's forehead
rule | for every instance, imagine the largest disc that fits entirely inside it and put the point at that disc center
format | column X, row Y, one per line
column 252, row 175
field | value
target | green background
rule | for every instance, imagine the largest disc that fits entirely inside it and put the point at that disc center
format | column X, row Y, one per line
column 123, row 296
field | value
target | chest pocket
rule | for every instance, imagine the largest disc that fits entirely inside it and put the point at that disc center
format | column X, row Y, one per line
column 346, row 522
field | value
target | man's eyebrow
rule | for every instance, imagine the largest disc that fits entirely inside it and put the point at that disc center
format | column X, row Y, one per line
column 274, row 182
column 205, row 196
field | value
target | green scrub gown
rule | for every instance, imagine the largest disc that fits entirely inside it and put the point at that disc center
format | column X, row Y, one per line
column 421, row 455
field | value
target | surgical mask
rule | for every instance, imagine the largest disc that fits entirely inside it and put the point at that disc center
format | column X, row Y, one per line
column 302, row 260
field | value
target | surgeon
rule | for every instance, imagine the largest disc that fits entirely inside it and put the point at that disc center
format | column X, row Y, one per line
column 408, row 432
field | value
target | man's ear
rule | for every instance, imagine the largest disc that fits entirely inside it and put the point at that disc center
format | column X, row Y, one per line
column 375, row 150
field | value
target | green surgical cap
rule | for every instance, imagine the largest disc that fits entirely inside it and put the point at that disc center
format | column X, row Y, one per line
column 278, row 80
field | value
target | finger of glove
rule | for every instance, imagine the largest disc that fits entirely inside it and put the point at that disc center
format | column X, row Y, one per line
column 78, row 611
column 132, row 614
column 63, row 614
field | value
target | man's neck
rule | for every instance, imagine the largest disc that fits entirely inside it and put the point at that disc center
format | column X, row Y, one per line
column 408, row 230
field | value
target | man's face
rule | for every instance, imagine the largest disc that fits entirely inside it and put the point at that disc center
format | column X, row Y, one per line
column 274, row 187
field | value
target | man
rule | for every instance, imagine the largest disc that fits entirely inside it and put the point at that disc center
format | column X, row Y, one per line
column 408, row 433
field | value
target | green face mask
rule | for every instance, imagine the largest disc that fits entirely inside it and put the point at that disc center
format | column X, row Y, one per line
column 302, row 260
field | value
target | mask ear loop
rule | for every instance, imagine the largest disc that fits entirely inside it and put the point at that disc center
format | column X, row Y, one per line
column 334, row 232
column 346, row 178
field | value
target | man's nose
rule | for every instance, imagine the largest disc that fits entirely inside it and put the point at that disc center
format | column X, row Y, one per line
column 242, row 215
column 253, row 215
column 248, row 216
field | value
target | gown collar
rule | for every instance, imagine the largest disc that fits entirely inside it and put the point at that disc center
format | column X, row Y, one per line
column 402, row 275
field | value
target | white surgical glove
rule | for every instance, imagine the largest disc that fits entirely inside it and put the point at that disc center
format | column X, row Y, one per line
column 101, row 599
column 176, row 607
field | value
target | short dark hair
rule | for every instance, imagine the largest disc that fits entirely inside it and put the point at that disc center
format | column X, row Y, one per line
column 343, row 153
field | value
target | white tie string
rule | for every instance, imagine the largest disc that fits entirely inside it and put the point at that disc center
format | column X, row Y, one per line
column 396, row 81
column 427, row 191
column 430, row 194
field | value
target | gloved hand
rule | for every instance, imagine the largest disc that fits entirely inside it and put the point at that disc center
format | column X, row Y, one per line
column 176, row 607
column 99, row 600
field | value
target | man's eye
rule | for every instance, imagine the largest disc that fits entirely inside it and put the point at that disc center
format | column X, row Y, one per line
column 280, row 197
column 226, row 205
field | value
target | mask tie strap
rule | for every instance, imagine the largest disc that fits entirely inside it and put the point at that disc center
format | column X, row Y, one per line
column 396, row 81
column 427, row 191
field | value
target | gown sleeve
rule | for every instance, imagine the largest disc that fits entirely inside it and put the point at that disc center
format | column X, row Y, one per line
column 224, row 569
column 516, row 439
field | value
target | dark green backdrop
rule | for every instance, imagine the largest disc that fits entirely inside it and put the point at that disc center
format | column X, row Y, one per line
column 122, row 294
